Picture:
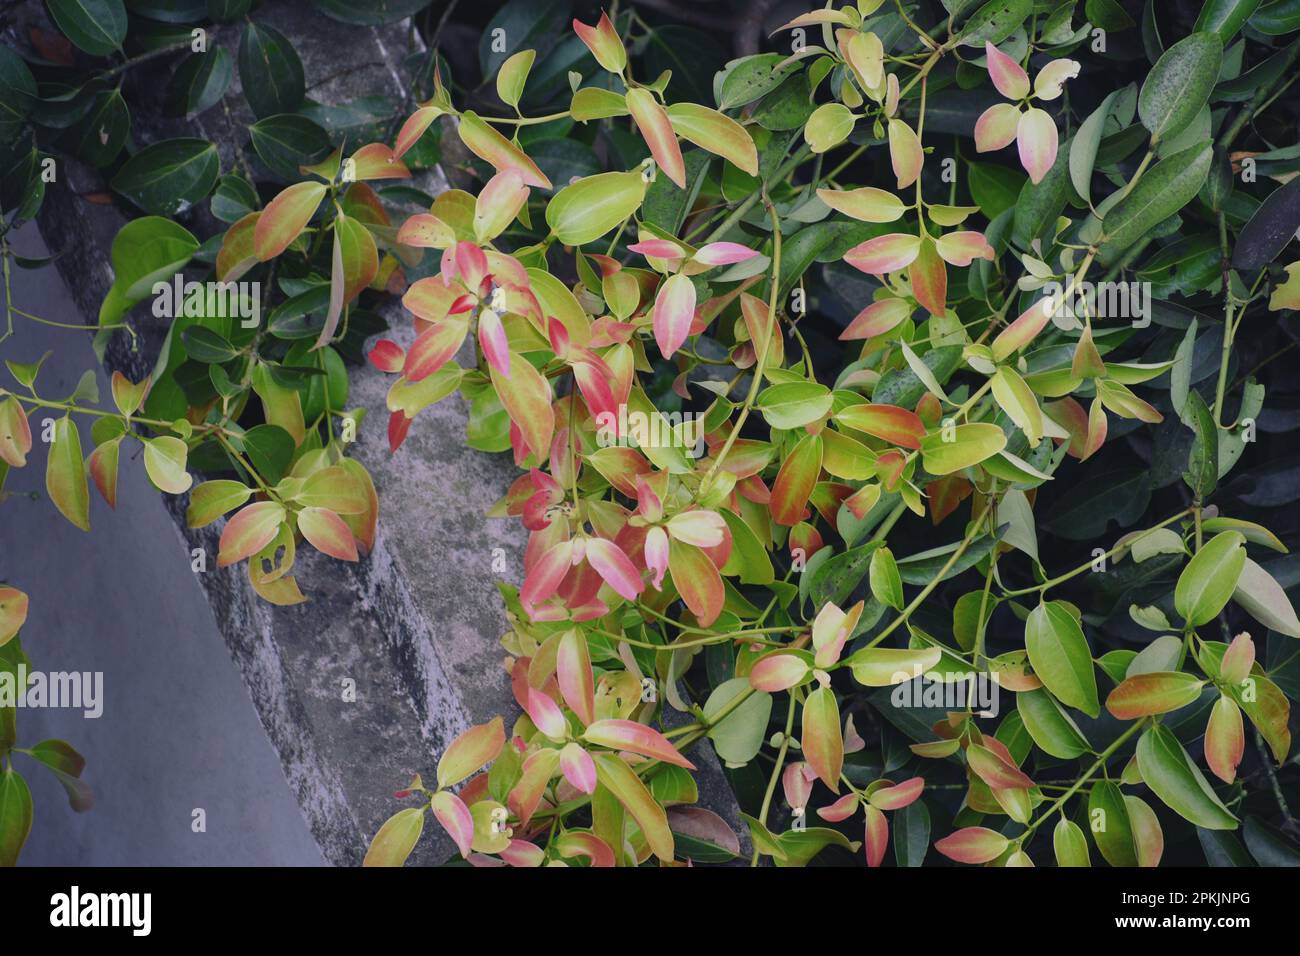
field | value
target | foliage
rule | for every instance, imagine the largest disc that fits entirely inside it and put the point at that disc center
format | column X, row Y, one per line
column 813, row 383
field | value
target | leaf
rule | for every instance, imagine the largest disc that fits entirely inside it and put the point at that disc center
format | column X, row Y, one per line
column 1157, row 692
column 491, row 147
column 1051, row 728
column 164, row 463
column 1169, row 772
column 823, row 744
column 285, row 217
column 270, row 71
column 470, row 752
column 1208, row 581
column 1069, row 844
column 65, row 474
column 327, row 533
column 1272, row 226
column 513, row 75
column 1083, row 148
column 526, row 396
column 168, row 177
column 715, row 132
column 1259, row 594
column 199, row 82
column 1112, row 829
column 971, row 444
column 995, row 21
column 1179, row 85
column 911, row 834
column 13, row 613
column 15, row 815
column 885, row 581
column 794, row 404
column 887, row 666
column 738, row 736
column 619, row 778
column 95, row 26
column 1060, row 656
column 287, row 141
column 586, row 210
column 1224, row 17
column 396, row 838
column 212, row 499
column 828, row 126
column 972, row 845
column 1168, row 186
column 638, row 738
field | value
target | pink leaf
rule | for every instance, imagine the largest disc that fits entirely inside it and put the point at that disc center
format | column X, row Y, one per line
column 544, row 577
column 877, row 319
column 959, row 248
column 492, row 339
column 674, row 309
column 724, row 254
column 455, row 818
column 387, row 356
column 658, row 249
column 884, row 254
column 996, row 127
column 1008, row 76
column 546, row 715
column 578, row 768
column 876, row 837
column 614, row 566
column 656, row 555
column 840, row 810
column 1037, row 140
column 638, row 738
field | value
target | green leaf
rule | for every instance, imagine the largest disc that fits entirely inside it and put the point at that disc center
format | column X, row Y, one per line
column 970, row 445
column 1169, row 772
column 739, row 736
column 793, row 404
column 1069, row 844
column 396, row 838
column 1203, row 460
column 1180, row 84
column 167, row 177
column 1224, row 17
column 287, row 141
column 65, row 474
column 995, row 21
column 164, row 463
column 886, row 583
column 199, row 82
column 1051, row 728
column 102, row 132
column 1060, row 656
column 1259, row 594
column 584, row 211
column 1083, row 148
column 748, row 78
column 1166, row 188
column 1277, row 18
column 15, row 815
column 1209, row 579
column 1112, row 830
column 911, row 838
column 96, row 26
column 1270, row 228
column 269, row 71
column 829, row 126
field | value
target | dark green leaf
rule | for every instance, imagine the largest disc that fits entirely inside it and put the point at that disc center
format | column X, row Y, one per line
column 270, row 71
column 287, row 141
column 1273, row 225
column 96, row 26
column 1180, row 84
column 167, row 177
column 199, row 82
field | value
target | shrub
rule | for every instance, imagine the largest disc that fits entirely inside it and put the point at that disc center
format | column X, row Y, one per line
column 824, row 402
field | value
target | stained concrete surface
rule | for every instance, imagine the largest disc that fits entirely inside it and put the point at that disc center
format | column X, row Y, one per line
column 179, row 730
